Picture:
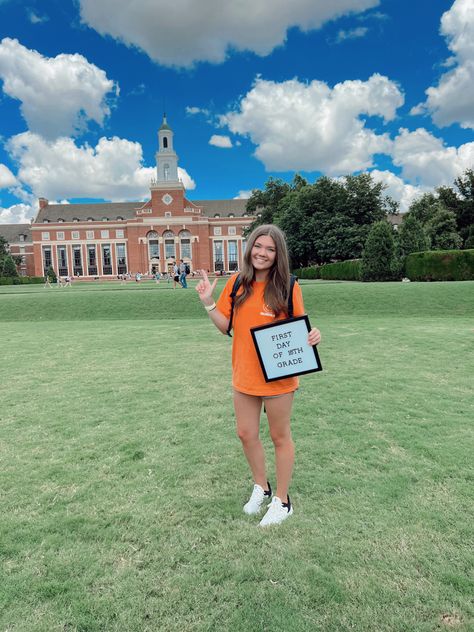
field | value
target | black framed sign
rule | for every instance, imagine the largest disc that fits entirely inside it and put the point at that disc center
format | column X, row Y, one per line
column 283, row 349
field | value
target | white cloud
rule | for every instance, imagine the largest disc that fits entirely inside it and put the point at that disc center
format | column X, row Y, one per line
column 397, row 189
column 311, row 127
column 220, row 141
column 194, row 110
column 243, row 195
column 360, row 31
column 17, row 214
column 58, row 94
column 37, row 19
column 7, row 179
column 452, row 100
column 113, row 170
column 179, row 34
column 425, row 160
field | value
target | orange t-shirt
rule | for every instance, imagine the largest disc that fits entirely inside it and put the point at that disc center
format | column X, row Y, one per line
column 247, row 374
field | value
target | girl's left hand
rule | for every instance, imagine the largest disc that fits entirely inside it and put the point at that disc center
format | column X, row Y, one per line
column 314, row 337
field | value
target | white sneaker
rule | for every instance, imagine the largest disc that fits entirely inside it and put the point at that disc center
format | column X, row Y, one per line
column 276, row 512
column 256, row 500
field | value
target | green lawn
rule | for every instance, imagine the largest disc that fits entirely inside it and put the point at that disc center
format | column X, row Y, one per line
column 122, row 481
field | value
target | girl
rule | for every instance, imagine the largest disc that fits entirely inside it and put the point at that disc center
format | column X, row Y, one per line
column 261, row 299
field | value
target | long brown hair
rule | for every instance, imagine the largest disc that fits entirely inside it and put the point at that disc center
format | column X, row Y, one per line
column 278, row 283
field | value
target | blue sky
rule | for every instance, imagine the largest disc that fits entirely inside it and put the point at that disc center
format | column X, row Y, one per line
column 252, row 89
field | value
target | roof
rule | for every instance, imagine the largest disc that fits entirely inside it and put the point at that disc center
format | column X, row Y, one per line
column 67, row 212
column 223, row 207
column 126, row 210
column 12, row 233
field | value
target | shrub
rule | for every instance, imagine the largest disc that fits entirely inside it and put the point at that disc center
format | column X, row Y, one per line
column 379, row 261
column 311, row 272
column 343, row 270
column 8, row 268
column 440, row 265
column 20, row 280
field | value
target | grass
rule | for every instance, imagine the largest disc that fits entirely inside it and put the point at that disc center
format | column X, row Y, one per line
column 122, row 481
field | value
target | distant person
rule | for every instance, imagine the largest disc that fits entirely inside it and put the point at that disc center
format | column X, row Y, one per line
column 157, row 278
column 175, row 275
column 182, row 274
column 47, row 281
column 59, row 282
column 262, row 299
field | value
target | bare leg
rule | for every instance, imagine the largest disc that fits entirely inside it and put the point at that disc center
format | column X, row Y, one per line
column 247, row 412
column 278, row 413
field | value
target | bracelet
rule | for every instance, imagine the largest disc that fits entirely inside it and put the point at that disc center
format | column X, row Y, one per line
column 209, row 308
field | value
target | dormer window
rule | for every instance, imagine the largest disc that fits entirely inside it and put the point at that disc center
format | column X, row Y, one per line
column 22, row 237
column 119, row 218
column 46, row 221
column 217, row 214
column 105, row 219
column 231, row 215
column 75, row 219
column 60, row 220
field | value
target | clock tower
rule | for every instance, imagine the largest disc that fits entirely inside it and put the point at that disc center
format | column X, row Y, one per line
column 167, row 191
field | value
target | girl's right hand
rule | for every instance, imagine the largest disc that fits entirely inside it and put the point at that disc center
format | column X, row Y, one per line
column 205, row 289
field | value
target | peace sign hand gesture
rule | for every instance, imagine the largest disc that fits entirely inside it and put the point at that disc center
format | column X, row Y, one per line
column 205, row 289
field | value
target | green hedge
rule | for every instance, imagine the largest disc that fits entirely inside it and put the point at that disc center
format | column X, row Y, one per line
column 20, row 280
column 311, row 272
column 440, row 265
column 342, row 270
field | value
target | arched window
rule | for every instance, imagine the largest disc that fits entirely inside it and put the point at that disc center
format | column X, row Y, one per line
column 217, row 214
column 119, row 218
column 60, row 220
column 153, row 244
column 105, row 219
column 170, row 250
column 231, row 215
column 75, row 219
column 185, row 243
column 165, row 142
column 90, row 219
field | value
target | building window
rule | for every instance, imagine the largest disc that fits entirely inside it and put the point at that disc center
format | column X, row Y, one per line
column 170, row 250
column 90, row 219
column 75, row 234
column 60, row 220
column 104, row 234
column 119, row 234
column 166, row 171
column 90, row 234
column 218, row 256
column 121, row 259
column 75, row 219
column 46, row 221
column 47, row 259
column 120, row 218
column 244, row 246
column 231, row 215
column 105, row 219
column 232, row 230
column 106, row 259
column 217, row 230
column 60, row 235
column 153, row 244
column 167, row 213
column 91, row 260
column 22, row 237
column 45, row 236
column 77, row 260
column 62, row 261
column 233, row 258
column 165, row 143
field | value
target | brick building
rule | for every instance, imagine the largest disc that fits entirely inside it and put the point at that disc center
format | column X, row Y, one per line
column 104, row 240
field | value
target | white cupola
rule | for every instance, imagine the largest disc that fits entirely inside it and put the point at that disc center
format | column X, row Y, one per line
column 166, row 158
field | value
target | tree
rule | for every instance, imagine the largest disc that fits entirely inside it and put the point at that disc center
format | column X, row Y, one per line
column 424, row 207
column 379, row 261
column 51, row 274
column 8, row 267
column 411, row 237
column 442, row 231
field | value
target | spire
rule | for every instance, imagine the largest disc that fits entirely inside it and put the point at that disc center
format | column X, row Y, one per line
column 164, row 124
